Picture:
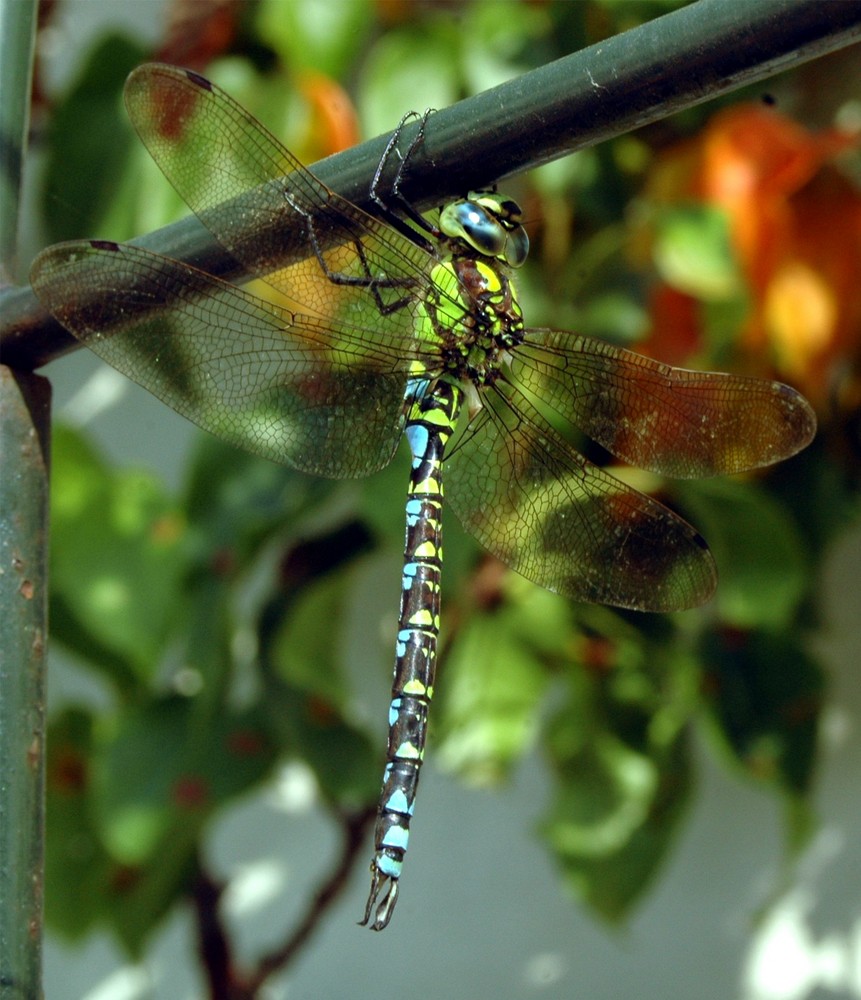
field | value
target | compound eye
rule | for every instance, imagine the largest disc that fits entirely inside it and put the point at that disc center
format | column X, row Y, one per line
column 469, row 221
column 516, row 247
column 509, row 215
column 482, row 230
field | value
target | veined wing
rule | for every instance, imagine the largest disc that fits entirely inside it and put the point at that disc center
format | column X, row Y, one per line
column 680, row 423
column 565, row 524
column 264, row 206
column 313, row 395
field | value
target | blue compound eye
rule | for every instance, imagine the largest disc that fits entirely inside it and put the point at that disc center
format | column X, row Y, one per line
column 470, row 222
column 516, row 247
column 489, row 224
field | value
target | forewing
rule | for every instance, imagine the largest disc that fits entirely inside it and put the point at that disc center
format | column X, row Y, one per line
column 543, row 509
column 288, row 387
column 680, row 423
column 265, row 207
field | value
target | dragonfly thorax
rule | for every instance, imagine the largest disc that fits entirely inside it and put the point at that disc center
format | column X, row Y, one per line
column 475, row 318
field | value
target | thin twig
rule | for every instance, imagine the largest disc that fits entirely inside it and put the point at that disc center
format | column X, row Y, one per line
column 225, row 981
column 212, row 940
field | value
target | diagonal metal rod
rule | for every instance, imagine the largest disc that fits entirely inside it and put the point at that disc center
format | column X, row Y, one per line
column 684, row 58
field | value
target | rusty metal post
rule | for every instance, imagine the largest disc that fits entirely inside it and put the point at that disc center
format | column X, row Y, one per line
column 24, row 435
column 25, row 401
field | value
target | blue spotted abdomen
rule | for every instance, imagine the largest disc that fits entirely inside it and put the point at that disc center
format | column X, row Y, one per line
column 432, row 414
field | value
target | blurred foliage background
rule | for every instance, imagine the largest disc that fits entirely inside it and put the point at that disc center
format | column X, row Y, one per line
column 235, row 624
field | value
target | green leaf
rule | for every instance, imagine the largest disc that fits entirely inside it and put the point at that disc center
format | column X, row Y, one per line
column 321, row 37
column 144, row 773
column 614, row 815
column 86, row 884
column 765, row 695
column 492, row 689
column 117, row 559
column 77, row 867
column 346, row 764
column 614, row 316
column 693, row 252
column 127, row 799
column 307, row 647
column 761, row 558
column 83, row 187
column 617, row 746
column 614, row 883
column 141, row 896
column 382, row 498
column 416, row 65
column 165, row 767
column 235, row 501
column 539, row 619
column 302, row 648
column 492, row 47
column 495, row 678
column 605, row 797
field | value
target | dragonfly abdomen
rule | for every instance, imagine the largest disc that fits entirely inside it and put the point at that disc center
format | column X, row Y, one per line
column 433, row 410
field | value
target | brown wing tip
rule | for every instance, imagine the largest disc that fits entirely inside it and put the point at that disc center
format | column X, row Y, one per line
column 801, row 418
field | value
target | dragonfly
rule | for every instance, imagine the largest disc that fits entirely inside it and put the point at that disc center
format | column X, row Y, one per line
column 393, row 327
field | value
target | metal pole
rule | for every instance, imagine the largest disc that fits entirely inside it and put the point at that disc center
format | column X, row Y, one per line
column 24, row 434
column 25, row 402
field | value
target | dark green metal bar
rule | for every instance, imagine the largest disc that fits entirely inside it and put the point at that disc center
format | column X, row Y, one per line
column 684, row 58
column 24, row 433
column 25, row 401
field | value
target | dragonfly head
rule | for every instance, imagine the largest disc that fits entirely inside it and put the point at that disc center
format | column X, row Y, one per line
column 489, row 223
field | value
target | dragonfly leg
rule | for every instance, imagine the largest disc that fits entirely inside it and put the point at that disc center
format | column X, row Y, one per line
column 395, row 215
column 365, row 280
column 374, row 286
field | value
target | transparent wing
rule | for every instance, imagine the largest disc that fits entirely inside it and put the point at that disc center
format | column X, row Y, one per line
column 679, row 423
column 544, row 510
column 264, row 206
column 292, row 388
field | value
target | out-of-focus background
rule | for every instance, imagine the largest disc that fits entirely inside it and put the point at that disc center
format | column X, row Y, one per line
column 613, row 804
